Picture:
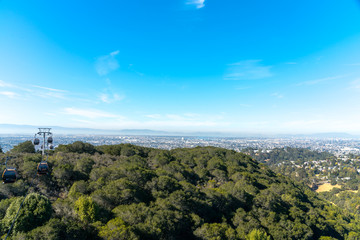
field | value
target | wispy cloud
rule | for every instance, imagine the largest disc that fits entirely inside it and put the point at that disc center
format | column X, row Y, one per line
column 176, row 117
column 197, row 3
column 131, row 68
column 302, row 123
column 247, row 70
column 84, row 121
column 49, row 89
column 355, row 84
column 5, row 84
column 46, row 92
column 51, row 95
column 192, row 115
column 153, row 116
column 9, row 94
column 110, row 98
column 90, row 113
column 106, row 64
column 291, row 63
column 245, row 105
column 103, row 120
column 108, row 94
column 27, row 90
column 277, row 95
column 51, row 114
column 320, row 80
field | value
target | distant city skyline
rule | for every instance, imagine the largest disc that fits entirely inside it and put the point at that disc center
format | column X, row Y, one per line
column 335, row 146
column 182, row 66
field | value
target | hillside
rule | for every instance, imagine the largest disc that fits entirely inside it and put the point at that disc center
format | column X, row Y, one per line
column 130, row 192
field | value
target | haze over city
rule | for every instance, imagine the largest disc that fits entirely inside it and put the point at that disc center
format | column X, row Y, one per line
column 183, row 65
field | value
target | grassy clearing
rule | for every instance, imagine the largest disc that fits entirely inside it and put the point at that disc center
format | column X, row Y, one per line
column 353, row 191
column 327, row 187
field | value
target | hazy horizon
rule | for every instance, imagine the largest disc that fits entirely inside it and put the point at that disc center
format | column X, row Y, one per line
column 12, row 129
column 182, row 66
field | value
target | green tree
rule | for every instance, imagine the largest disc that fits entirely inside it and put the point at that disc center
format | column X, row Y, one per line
column 86, row 209
column 24, row 147
column 78, row 189
column 215, row 231
column 84, row 166
column 257, row 234
column 54, row 229
column 35, row 211
column 353, row 236
column 4, row 204
column 116, row 229
column 77, row 147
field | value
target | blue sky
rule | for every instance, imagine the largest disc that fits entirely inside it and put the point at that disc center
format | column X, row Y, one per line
column 182, row 65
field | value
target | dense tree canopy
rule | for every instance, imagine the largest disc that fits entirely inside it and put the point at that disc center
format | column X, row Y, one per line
column 24, row 147
column 130, row 192
column 36, row 210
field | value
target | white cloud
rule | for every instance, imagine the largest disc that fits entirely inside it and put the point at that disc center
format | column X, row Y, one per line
column 90, row 113
column 108, row 95
column 5, row 84
column 153, row 116
column 84, row 121
column 197, row 3
column 114, row 53
column 181, row 123
column 277, row 95
column 106, row 64
column 51, row 114
column 174, row 117
column 154, row 124
column 49, row 89
column 104, row 120
column 110, row 98
column 9, row 94
column 192, row 115
column 46, row 92
column 317, row 81
column 51, row 95
column 26, row 91
column 247, row 70
column 131, row 68
column 355, row 84
column 303, row 123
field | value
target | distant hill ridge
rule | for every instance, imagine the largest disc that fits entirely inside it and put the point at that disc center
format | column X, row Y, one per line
column 31, row 129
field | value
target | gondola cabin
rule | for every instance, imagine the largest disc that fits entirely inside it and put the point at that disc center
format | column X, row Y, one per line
column 9, row 175
column 42, row 168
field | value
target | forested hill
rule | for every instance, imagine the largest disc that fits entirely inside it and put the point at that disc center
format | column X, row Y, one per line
column 131, row 192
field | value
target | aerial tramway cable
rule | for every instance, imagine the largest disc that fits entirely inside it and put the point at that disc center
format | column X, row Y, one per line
column 12, row 225
column 42, row 168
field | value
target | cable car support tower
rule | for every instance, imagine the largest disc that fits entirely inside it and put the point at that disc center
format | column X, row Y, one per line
column 43, row 132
